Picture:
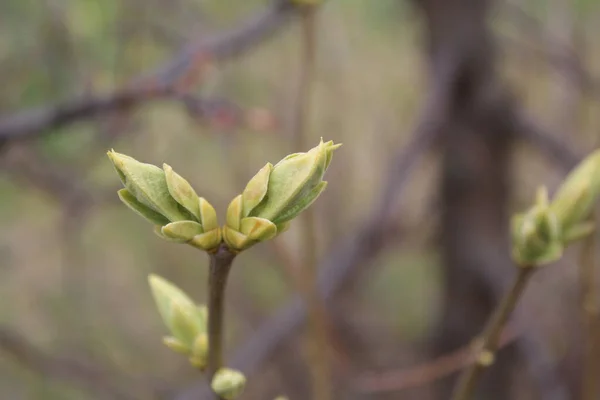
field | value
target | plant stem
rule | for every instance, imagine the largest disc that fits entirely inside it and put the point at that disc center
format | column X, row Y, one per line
column 491, row 336
column 318, row 331
column 220, row 264
column 591, row 320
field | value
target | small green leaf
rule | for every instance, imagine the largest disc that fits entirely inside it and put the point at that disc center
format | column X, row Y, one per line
column 181, row 190
column 258, row 229
column 208, row 215
column 256, row 190
column 303, row 203
column 165, row 294
column 147, row 183
column 234, row 213
column 182, row 230
column 130, row 201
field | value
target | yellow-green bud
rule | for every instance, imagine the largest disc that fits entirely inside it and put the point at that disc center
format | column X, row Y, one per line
column 228, row 383
column 575, row 198
column 536, row 234
column 276, row 195
column 185, row 320
column 168, row 201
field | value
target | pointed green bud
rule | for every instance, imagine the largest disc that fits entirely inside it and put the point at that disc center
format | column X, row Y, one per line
column 147, row 183
column 186, row 324
column 258, row 229
column 182, row 230
column 276, row 195
column 182, row 317
column 181, row 190
column 228, row 383
column 536, row 235
column 167, row 200
column 292, row 180
column 575, row 198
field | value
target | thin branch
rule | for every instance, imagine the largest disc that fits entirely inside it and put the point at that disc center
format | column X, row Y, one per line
column 563, row 56
column 426, row 373
column 489, row 342
column 318, row 331
column 160, row 83
column 220, row 264
column 557, row 150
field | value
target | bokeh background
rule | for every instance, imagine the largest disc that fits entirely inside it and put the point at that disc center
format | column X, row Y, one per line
column 450, row 114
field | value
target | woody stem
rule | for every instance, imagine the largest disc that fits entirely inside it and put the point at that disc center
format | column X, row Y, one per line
column 220, row 264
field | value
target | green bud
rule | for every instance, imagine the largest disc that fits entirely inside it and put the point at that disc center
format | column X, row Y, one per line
column 276, row 195
column 291, row 181
column 537, row 234
column 168, row 201
column 147, row 183
column 228, row 383
column 575, row 198
column 184, row 319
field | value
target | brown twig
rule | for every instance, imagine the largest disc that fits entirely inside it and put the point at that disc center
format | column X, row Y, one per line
column 561, row 55
column 220, row 264
column 162, row 82
column 426, row 373
column 489, row 342
column 559, row 151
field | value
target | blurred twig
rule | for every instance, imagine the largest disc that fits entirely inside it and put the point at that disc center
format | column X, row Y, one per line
column 559, row 151
column 489, row 343
column 562, row 55
column 163, row 82
column 84, row 375
column 426, row 373
column 318, row 349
